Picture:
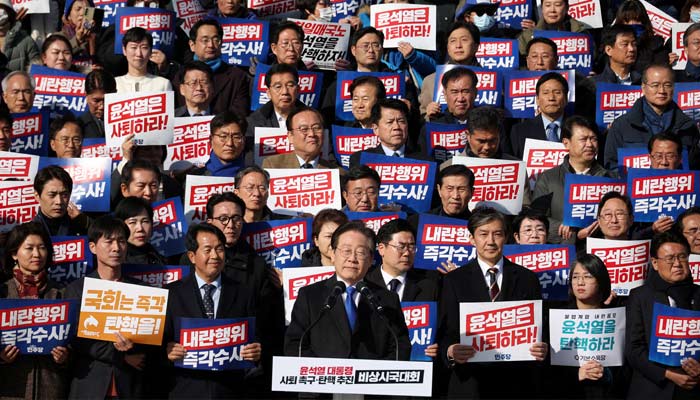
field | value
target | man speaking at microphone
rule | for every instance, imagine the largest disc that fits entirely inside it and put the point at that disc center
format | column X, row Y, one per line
column 344, row 316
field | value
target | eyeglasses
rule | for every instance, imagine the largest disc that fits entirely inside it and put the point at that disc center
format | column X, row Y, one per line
column 207, row 40
column 588, row 278
column 663, row 156
column 225, row 219
column 530, row 231
column 694, row 43
column 193, row 84
column 608, row 216
column 403, row 247
column 656, row 85
column 358, row 194
column 305, row 130
column 682, row 258
column 361, row 253
column 365, row 46
column 65, row 140
column 294, row 43
column 691, row 232
column 277, row 87
column 249, row 189
column 225, row 137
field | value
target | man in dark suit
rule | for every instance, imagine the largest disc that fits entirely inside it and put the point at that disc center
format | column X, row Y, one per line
column 97, row 84
column 365, row 91
column 352, row 328
column 282, row 81
column 207, row 293
column 490, row 277
column 197, row 90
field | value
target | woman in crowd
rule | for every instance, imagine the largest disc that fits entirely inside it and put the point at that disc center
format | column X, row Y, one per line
column 137, row 213
column 57, row 53
column 325, row 223
column 80, row 32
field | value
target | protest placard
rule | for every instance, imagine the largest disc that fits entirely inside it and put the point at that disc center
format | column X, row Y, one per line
column 72, row 259
column 694, row 263
column 550, row 262
column 347, row 140
column 294, row 279
column 244, row 39
column 148, row 116
column 638, row 157
column 18, row 166
column 677, row 33
column 17, row 204
column 158, row 22
column 309, row 88
column 400, row 22
column 32, row 6
column 489, row 86
column 30, row 133
column 57, row 90
column 541, row 155
column 496, row 53
column 675, row 335
column 580, row 336
column 190, row 141
column 375, row 220
column 394, row 83
column 110, row 8
column 198, row 189
column 574, row 50
column 264, row 8
column 409, row 183
column 445, row 141
column 587, row 11
column 441, row 239
column 660, row 21
column 282, row 242
column 657, row 193
column 626, row 261
column 519, row 91
column 687, row 97
column 582, row 193
column 91, row 178
column 614, row 100
column 189, row 12
column 511, row 13
column 303, row 190
column 421, row 321
column 169, row 227
column 37, row 326
column 156, row 275
column 214, row 344
column 324, row 42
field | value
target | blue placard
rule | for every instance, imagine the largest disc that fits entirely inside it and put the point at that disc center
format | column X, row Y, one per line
column 60, row 91
column 156, row 275
column 243, row 39
column 72, row 259
column 511, row 13
column 159, row 22
column 347, row 8
column 687, row 96
column 489, row 86
column 169, row 227
column 30, row 133
column 310, row 84
column 214, row 344
column 405, row 181
column 638, row 157
column 347, row 140
column 280, row 242
column 582, row 194
column 442, row 239
column 110, row 8
column 394, row 83
column 375, row 220
column 519, row 89
column 614, row 100
column 657, row 193
column 495, row 53
column 674, row 335
column 444, row 141
column 421, row 321
column 37, row 326
column 91, row 181
column 97, row 147
column 574, row 50
column 549, row 261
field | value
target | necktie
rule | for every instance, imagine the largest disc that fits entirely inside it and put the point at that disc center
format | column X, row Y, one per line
column 552, row 135
column 394, row 285
column 396, row 154
column 307, row 166
column 208, row 299
column 494, row 290
column 350, row 307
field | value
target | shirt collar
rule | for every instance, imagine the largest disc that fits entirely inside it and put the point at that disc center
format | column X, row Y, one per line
column 546, row 121
column 200, row 281
column 389, row 152
column 387, row 277
column 485, row 267
column 313, row 162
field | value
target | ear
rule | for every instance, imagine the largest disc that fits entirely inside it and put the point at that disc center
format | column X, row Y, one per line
column 608, row 50
column 92, row 247
column 190, row 256
column 36, row 196
column 655, row 263
column 375, row 128
column 333, row 256
column 192, row 44
column 52, row 144
column 345, row 196
column 381, row 248
column 353, row 50
column 124, row 189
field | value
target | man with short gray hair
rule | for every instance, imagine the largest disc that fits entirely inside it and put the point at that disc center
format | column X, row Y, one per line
column 18, row 92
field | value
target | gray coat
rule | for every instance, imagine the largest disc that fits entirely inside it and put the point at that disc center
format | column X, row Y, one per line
column 20, row 49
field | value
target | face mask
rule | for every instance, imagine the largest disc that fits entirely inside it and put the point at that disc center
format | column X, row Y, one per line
column 639, row 30
column 695, row 16
column 325, row 14
column 484, row 22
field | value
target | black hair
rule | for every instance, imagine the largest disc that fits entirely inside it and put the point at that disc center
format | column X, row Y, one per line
column 486, row 215
column 55, row 38
column 107, row 226
column 556, row 76
column 355, row 226
column 366, row 31
column 137, row 35
column 457, row 73
column 610, row 34
column 100, row 79
column 283, row 26
column 49, row 173
column 456, row 170
column 393, row 104
column 485, row 118
column 358, row 172
column 131, row 207
column 691, row 29
column 6, row 116
column 206, row 21
column 576, row 120
column 529, row 214
column 60, row 122
column 298, row 110
column 666, row 137
column 596, row 267
column 678, row 224
column 127, row 174
column 388, row 230
column 634, row 10
column 197, row 66
column 280, row 69
column 325, row 216
column 249, row 170
column 547, row 41
column 224, row 197
column 226, row 118
column 473, row 31
column 369, row 80
column 667, row 237
column 615, row 195
column 191, row 238
column 18, row 235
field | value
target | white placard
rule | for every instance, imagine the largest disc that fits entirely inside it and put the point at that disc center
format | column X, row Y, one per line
column 626, row 260
column 541, row 155
column 324, row 42
column 269, row 142
column 694, row 262
column 414, row 23
column 677, row 33
column 32, row 6
column 586, row 11
column 18, row 166
column 148, row 115
column 297, row 278
column 661, row 21
column 198, row 189
column 190, row 141
column 303, row 190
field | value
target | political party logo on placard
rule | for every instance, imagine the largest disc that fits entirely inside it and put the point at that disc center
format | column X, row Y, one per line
column 502, row 330
column 582, row 194
column 244, row 39
column 37, row 326
column 158, row 22
column 445, row 141
column 520, row 92
column 489, row 86
column 494, row 53
column 169, row 227
column 18, row 166
column 574, row 50
column 375, row 220
column 57, row 90
column 675, row 335
column 324, row 42
column 687, row 96
column 214, row 344
column 190, row 141
column 677, row 32
column 580, row 336
column 638, row 157
column 32, row 6
column 281, row 242
column 198, row 189
column 293, row 279
column 660, row 21
column 309, row 88
column 512, row 12
column 72, row 259
column 626, row 260
column 614, row 100
column 149, row 116
column 414, row 23
column 694, row 263
column 347, row 140
column 30, row 133
column 586, row 11
column 110, row 8
column 346, row 8
column 549, row 261
column 394, row 83
column 442, row 239
column 541, row 155
column 156, row 275
column 421, row 321
column 409, row 183
column 264, row 8
column 304, row 190
column 659, row 193
column 189, row 12
column 17, row 204
column 136, row 312
column 91, row 178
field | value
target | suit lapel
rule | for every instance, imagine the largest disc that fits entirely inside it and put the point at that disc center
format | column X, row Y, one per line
column 195, row 308
column 476, row 282
column 226, row 299
column 510, row 280
column 411, row 288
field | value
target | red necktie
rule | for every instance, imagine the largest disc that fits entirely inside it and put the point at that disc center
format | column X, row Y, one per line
column 494, row 290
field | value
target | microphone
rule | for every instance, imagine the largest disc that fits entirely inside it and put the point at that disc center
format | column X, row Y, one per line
column 367, row 292
column 337, row 290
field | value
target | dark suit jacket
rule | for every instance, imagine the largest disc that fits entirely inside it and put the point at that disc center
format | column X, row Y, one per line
column 421, row 285
column 532, row 128
column 331, row 336
column 409, row 153
column 289, row 160
column 232, row 91
column 90, row 127
column 183, row 112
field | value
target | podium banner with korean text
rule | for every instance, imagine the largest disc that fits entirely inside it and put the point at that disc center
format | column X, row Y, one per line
column 675, row 335
column 549, row 261
column 72, row 259
column 497, row 53
column 189, row 12
column 512, row 12
column 687, row 96
column 638, row 157
column 519, row 90
column 303, row 190
column 58, row 90
column 660, row 21
column 694, row 263
column 352, row 376
column 158, row 22
column 409, row 182
column 282, row 242
column 198, row 189
column 324, row 42
column 309, row 88
column 502, row 330
column 375, row 220
column 264, row 8
column 626, row 261
column 17, row 204
column 136, row 312
column 677, row 32
column 294, row 279
column 394, row 83
column 156, row 275
column 489, row 85
column 36, row 326
column 32, row 6
column 442, row 239
column 657, row 193
column 579, row 336
column 190, row 141
column 574, row 50
column 18, row 166
column 541, row 155
column 244, row 39
column 582, row 193
column 169, row 227
column 347, row 140
column 614, row 100
column 421, row 321
column 587, row 11
column 147, row 115
column 30, row 133
column 91, row 177
column 214, row 344
column 414, row 23
column 110, row 8
column 445, row 141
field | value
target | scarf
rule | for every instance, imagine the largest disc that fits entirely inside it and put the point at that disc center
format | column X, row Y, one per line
column 215, row 64
column 680, row 292
column 29, row 286
column 217, row 168
column 654, row 122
